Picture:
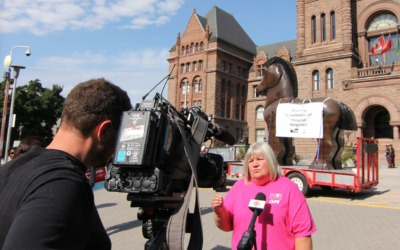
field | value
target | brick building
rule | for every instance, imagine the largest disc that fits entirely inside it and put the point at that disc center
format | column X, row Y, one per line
column 331, row 56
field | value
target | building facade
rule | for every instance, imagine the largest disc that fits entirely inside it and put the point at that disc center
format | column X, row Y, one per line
column 331, row 55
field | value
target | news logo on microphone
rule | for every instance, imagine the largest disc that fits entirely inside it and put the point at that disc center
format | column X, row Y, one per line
column 256, row 204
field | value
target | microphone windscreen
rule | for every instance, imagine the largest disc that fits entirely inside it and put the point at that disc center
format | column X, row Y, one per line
column 260, row 196
column 225, row 136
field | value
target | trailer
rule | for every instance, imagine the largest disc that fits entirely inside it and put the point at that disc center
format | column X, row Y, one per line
column 100, row 174
column 363, row 176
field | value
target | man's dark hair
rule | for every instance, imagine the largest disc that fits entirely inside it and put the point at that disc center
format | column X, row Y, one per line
column 28, row 143
column 92, row 102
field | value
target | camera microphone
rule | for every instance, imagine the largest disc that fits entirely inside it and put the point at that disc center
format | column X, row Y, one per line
column 249, row 237
column 222, row 134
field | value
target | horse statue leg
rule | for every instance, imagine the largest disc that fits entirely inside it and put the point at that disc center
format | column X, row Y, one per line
column 277, row 144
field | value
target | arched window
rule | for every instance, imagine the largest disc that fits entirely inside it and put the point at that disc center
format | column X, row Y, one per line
column 316, row 79
column 260, row 113
column 313, row 29
column 383, row 21
column 201, row 46
column 196, row 86
column 192, row 48
column 187, row 49
column 183, row 50
column 228, row 110
column 323, row 27
column 238, row 89
column 197, row 47
column 183, row 88
column 200, row 86
column 329, row 78
column 333, row 25
column 223, row 86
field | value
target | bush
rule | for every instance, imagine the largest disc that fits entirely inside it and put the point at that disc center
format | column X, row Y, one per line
column 347, row 155
column 242, row 153
column 296, row 158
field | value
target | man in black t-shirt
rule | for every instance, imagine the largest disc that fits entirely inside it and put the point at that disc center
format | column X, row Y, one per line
column 46, row 201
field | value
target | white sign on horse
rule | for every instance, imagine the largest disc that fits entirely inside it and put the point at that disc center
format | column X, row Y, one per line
column 299, row 120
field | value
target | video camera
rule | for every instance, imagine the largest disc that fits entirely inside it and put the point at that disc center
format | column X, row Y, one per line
column 151, row 163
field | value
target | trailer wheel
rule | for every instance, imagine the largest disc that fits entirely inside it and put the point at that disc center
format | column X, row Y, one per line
column 300, row 181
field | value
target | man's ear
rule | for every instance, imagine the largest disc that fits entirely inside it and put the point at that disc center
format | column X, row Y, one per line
column 104, row 130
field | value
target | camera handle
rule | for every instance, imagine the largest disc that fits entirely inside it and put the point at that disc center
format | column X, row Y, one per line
column 177, row 223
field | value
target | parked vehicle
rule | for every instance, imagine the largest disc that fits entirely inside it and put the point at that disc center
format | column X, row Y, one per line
column 363, row 176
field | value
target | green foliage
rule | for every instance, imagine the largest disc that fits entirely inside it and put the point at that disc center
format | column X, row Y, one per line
column 296, row 158
column 37, row 110
column 242, row 153
column 347, row 155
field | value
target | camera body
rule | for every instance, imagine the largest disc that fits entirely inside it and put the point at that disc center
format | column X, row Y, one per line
column 150, row 163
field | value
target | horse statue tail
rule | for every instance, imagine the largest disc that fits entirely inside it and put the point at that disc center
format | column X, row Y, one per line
column 348, row 118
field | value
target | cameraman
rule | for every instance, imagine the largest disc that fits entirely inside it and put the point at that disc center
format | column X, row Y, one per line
column 46, row 200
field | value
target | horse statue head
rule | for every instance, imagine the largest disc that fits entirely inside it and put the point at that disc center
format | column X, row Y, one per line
column 279, row 80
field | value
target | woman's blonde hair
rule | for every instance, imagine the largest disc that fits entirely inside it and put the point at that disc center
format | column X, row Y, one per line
column 261, row 149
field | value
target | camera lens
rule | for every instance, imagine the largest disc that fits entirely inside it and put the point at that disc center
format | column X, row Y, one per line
column 136, row 184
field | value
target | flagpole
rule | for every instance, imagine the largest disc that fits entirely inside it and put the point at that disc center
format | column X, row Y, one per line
column 396, row 50
column 390, row 36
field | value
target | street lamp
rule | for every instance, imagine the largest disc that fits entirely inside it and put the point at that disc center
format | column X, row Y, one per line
column 10, row 118
column 7, row 64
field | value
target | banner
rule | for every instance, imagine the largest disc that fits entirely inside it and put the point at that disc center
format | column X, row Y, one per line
column 299, row 120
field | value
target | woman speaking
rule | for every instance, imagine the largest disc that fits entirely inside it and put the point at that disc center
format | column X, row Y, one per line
column 285, row 222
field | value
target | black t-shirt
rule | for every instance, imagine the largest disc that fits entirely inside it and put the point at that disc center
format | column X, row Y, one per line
column 46, row 203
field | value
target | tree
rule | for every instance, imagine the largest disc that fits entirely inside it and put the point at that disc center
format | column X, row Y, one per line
column 37, row 110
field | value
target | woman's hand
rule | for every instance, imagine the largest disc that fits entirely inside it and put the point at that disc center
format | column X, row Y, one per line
column 222, row 218
column 217, row 203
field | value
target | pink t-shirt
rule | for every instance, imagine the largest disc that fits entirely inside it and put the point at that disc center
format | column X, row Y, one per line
column 285, row 216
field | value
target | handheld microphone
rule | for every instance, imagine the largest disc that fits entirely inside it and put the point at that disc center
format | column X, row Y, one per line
column 249, row 236
column 223, row 135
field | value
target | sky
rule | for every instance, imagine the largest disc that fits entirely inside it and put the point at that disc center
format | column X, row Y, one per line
column 125, row 41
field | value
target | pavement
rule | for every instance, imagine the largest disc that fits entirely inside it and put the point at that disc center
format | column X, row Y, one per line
column 365, row 220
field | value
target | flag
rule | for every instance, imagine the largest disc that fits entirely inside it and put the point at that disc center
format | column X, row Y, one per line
column 397, row 50
column 388, row 45
column 378, row 45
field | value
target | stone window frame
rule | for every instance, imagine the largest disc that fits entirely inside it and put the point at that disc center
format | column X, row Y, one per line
column 255, row 91
column 200, row 85
column 188, row 67
column 228, row 109
column 197, row 47
column 201, row 46
column 333, row 25
column 330, row 80
column 313, row 29
column 187, row 49
column 323, row 27
column 258, row 135
column 196, row 86
column 260, row 112
column 192, row 48
column 195, row 66
column 182, row 68
column 183, row 50
column 316, row 80
column 200, row 64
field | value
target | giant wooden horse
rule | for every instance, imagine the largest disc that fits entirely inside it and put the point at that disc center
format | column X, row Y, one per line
column 280, row 82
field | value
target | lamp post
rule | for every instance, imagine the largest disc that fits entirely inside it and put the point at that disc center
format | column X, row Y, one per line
column 10, row 118
column 7, row 64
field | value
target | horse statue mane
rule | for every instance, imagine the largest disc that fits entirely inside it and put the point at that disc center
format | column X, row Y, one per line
column 291, row 72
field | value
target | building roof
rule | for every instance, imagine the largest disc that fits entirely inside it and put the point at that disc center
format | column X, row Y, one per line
column 270, row 49
column 224, row 26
